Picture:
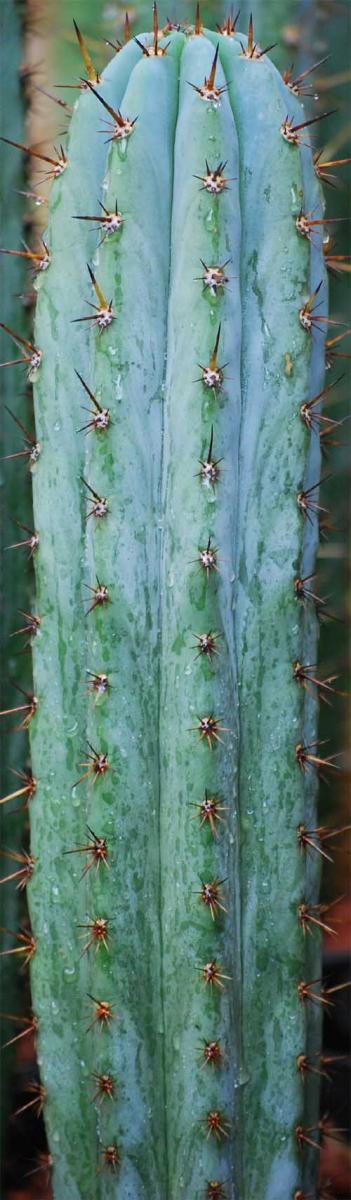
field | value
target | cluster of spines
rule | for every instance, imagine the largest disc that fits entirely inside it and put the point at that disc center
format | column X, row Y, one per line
column 314, row 917
column 307, row 756
column 208, row 727
column 17, row 863
column 24, row 943
column 309, row 916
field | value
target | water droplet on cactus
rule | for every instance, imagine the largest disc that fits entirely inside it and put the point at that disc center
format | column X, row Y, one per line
column 69, row 972
column 72, row 729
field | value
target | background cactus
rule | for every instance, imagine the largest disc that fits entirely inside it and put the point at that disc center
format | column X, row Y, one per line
column 195, row 627
column 334, row 557
column 16, row 505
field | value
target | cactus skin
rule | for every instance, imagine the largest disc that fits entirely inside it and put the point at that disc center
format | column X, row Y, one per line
column 208, row 229
column 123, row 551
column 163, row 937
column 59, row 659
column 273, row 544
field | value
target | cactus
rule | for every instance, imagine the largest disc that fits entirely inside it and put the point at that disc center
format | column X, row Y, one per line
column 280, row 24
column 334, row 143
column 15, row 505
column 175, row 532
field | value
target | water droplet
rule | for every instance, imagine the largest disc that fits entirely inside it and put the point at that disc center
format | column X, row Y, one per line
column 72, row 729
column 75, row 798
column 122, row 148
column 242, row 1078
column 118, row 387
column 69, row 972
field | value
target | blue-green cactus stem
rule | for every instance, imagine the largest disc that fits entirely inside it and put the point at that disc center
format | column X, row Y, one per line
column 168, row 719
column 196, row 600
column 57, row 732
column 123, row 465
column 277, row 357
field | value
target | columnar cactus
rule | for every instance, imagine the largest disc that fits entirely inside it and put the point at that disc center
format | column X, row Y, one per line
column 173, row 721
column 283, row 25
column 15, row 505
